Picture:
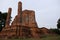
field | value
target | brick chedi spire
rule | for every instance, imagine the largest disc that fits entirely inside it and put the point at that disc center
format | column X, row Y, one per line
column 8, row 17
column 19, row 8
column 19, row 16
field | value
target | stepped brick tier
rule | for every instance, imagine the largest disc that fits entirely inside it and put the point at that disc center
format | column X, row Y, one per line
column 24, row 25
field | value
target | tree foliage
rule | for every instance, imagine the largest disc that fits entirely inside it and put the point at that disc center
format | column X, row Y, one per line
column 3, row 17
column 58, row 23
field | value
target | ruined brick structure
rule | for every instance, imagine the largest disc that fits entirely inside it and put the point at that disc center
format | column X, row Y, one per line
column 23, row 25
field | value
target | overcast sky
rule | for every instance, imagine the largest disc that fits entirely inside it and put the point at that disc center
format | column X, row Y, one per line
column 47, row 11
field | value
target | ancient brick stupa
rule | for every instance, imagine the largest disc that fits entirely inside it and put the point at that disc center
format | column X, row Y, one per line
column 24, row 24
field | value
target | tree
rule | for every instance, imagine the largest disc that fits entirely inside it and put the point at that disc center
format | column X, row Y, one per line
column 3, row 17
column 58, row 23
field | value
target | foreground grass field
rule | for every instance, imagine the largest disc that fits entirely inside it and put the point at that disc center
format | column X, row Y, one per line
column 51, row 38
column 43, row 38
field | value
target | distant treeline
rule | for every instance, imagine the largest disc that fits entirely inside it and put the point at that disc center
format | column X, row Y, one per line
column 57, row 31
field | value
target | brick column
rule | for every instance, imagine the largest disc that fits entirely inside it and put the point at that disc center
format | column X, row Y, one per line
column 19, row 8
column 8, row 17
column 19, row 13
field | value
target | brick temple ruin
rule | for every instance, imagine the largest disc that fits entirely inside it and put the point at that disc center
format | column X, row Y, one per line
column 24, row 25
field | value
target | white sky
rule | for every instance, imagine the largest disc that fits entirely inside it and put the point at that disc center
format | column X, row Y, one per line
column 47, row 11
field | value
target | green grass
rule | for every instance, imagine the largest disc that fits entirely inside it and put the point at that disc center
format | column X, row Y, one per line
column 51, row 38
column 57, row 37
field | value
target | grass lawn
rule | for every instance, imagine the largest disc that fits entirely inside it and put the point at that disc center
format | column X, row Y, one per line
column 51, row 38
column 43, row 38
